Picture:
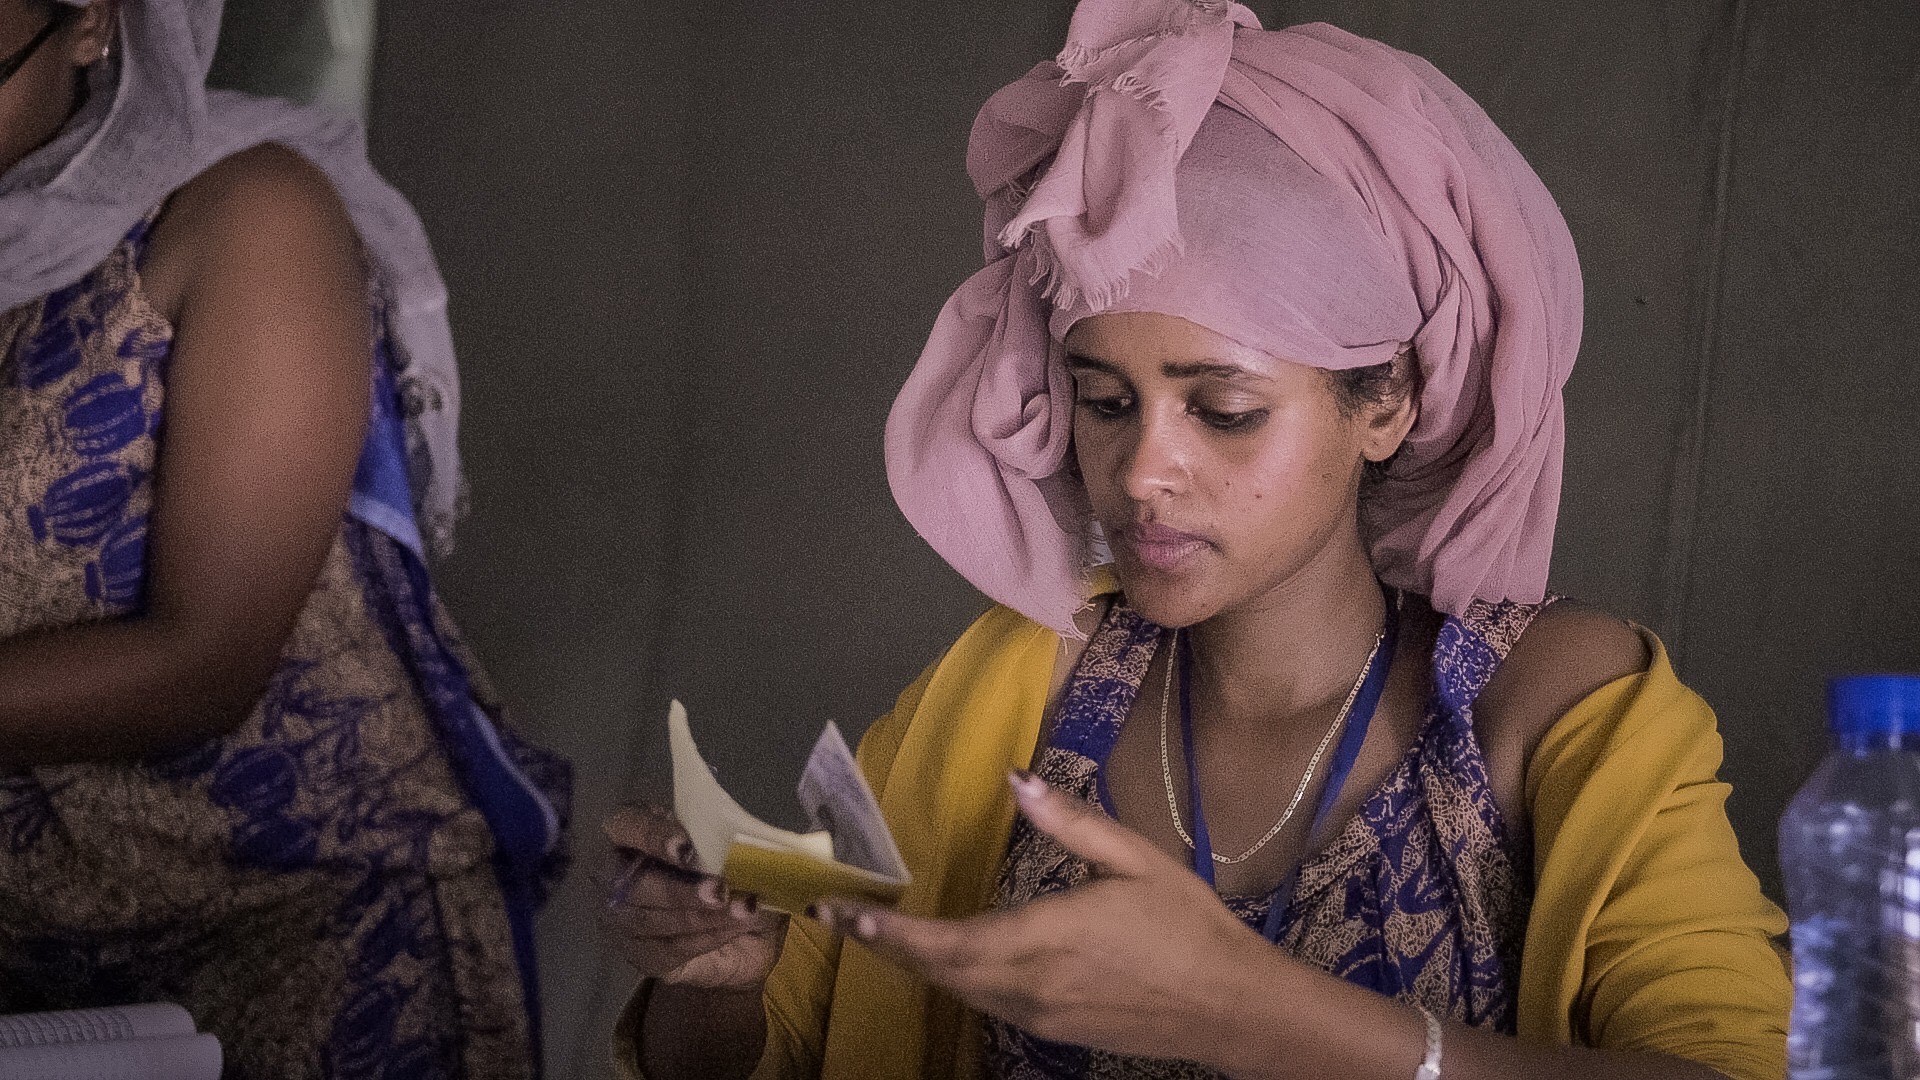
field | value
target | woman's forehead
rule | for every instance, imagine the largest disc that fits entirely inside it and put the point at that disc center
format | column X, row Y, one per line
column 1139, row 341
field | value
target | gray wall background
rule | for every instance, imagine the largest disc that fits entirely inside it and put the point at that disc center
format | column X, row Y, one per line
column 694, row 249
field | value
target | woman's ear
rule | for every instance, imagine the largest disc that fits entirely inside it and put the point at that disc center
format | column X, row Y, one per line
column 1388, row 422
column 94, row 32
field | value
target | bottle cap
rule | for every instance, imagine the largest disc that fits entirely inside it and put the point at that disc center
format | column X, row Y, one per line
column 1874, row 705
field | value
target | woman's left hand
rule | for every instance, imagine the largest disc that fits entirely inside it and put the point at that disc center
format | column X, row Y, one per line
column 1141, row 960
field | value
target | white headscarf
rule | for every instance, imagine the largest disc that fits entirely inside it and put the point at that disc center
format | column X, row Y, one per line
column 148, row 127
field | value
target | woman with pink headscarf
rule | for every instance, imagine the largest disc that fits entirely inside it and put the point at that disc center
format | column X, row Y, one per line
column 1275, row 759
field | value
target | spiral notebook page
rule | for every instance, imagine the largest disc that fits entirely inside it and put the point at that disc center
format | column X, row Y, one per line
column 95, row 1025
column 130, row 1042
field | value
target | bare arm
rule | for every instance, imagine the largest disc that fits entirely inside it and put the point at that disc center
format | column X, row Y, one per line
column 1293, row 1021
column 267, row 401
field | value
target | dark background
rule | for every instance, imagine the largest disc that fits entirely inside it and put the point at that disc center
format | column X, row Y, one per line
column 695, row 248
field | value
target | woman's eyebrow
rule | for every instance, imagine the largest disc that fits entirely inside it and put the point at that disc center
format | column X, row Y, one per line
column 1172, row 369
column 1083, row 362
column 1192, row 369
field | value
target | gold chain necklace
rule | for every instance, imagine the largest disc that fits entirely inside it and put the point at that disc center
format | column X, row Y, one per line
column 1306, row 778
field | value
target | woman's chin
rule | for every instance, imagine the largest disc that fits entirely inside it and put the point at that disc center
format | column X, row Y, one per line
column 1165, row 599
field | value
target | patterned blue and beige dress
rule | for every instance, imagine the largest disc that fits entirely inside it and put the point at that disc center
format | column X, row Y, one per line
column 343, row 886
column 1420, row 896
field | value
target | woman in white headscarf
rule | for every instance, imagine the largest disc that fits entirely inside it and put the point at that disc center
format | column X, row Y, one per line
column 246, row 763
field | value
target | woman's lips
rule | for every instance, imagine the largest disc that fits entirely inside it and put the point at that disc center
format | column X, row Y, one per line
column 1160, row 547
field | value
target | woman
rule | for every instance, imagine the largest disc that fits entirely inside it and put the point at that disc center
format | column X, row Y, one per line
column 245, row 761
column 1321, row 784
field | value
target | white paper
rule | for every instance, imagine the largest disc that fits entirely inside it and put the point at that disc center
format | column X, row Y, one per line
column 94, row 1025
column 711, row 816
column 174, row 1057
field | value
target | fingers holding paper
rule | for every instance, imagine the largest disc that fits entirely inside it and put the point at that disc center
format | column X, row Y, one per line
column 648, row 829
column 673, row 922
column 1119, row 963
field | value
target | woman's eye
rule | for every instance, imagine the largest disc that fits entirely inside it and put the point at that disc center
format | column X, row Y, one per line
column 1230, row 421
column 1107, row 408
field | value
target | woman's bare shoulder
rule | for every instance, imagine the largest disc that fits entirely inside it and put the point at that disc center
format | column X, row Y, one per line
column 1570, row 651
column 266, row 203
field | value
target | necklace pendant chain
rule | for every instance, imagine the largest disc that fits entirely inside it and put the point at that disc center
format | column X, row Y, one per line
column 1306, row 778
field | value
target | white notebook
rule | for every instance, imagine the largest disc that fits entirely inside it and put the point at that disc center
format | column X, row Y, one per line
column 131, row 1042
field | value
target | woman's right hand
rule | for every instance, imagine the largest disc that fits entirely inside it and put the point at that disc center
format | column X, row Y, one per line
column 674, row 923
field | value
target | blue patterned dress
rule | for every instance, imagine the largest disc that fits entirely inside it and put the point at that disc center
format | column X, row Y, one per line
column 343, row 886
column 1419, row 897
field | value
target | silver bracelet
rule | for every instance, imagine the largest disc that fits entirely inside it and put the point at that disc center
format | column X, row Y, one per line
column 1430, row 1065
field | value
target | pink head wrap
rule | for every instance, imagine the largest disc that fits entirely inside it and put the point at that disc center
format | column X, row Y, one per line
column 1311, row 194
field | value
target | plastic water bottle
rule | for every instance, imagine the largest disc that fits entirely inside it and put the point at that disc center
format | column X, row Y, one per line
column 1850, row 847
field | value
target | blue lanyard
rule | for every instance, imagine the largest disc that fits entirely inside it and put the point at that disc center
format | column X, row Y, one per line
column 1344, row 756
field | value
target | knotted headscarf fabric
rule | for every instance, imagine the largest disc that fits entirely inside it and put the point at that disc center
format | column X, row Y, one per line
column 1342, row 200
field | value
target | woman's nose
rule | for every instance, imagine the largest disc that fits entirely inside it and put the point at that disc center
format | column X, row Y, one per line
column 1155, row 462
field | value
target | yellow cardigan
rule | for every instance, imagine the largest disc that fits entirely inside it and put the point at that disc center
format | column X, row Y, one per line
column 1647, row 931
